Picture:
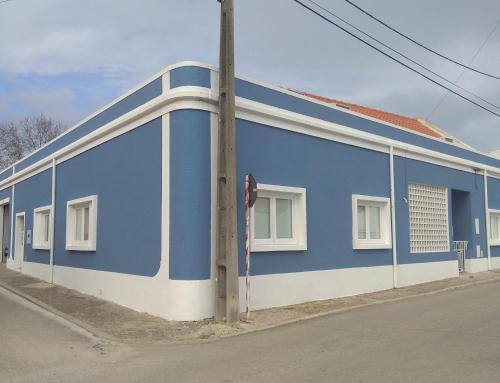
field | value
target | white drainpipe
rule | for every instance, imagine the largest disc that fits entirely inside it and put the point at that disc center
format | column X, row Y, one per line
column 53, row 220
column 487, row 214
column 393, row 220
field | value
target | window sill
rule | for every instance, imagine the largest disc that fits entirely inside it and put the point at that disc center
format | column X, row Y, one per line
column 41, row 247
column 368, row 246
column 80, row 247
column 255, row 248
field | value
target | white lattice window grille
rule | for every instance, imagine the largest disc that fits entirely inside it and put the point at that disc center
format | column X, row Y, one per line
column 428, row 211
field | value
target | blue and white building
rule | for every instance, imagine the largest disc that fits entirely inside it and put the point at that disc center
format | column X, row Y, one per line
column 122, row 206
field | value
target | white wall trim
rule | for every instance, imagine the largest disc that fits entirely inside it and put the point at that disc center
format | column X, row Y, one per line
column 203, row 99
column 495, row 263
column 416, row 273
column 37, row 270
column 476, row 265
column 274, row 290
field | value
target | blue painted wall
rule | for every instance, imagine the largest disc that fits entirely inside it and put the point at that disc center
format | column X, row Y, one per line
column 30, row 194
column 6, row 173
column 494, row 203
column 125, row 174
column 407, row 171
column 278, row 99
column 190, row 196
column 189, row 76
column 136, row 99
column 331, row 173
column 7, row 193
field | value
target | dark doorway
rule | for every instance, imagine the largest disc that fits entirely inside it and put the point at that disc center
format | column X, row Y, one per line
column 4, row 231
column 461, row 218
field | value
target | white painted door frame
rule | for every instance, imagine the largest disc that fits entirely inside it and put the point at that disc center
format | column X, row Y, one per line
column 19, row 240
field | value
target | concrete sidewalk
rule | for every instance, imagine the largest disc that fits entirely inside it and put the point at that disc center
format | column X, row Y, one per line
column 117, row 323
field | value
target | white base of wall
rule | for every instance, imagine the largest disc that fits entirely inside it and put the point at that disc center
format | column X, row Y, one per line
column 476, row 265
column 37, row 270
column 169, row 299
column 495, row 263
column 415, row 273
column 292, row 288
column 194, row 300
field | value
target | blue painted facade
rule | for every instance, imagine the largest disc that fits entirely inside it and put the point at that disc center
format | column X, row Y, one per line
column 407, row 171
column 189, row 76
column 6, row 173
column 494, row 203
column 331, row 173
column 30, row 194
column 190, row 195
column 134, row 100
column 125, row 173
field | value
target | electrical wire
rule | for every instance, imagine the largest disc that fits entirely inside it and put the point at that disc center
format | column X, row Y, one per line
column 392, row 58
column 420, row 44
column 440, row 102
column 405, row 56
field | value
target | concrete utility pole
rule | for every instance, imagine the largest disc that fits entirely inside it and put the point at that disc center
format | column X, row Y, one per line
column 227, row 295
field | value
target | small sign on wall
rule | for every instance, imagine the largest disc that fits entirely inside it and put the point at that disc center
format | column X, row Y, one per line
column 28, row 237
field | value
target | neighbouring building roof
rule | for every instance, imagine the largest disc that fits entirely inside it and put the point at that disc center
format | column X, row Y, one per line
column 413, row 124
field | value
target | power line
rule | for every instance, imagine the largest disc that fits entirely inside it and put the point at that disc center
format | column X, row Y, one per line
column 393, row 58
column 420, row 44
column 403, row 55
column 440, row 102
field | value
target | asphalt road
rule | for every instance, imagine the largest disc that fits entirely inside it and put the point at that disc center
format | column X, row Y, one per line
column 445, row 337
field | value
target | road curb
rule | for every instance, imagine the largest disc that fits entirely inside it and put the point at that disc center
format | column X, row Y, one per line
column 85, row 326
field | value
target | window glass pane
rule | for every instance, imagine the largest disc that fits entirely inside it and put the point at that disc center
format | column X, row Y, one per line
column 46, row 221
column 283, row 218
column 361, row 222
column 86, row 222
column 79, row 224
column 262, row 217
column 374, row 217
column 494, row 226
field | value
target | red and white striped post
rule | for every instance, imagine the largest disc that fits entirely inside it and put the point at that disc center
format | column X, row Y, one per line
column 247, row 244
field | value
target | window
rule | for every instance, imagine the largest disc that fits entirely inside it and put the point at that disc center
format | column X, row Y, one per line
column 81, row 224
column 495, row 227
column 279, row 219
column 371, row 222
column 428, row 212
column 42, row 219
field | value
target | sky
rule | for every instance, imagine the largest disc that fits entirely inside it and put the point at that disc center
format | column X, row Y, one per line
column 67, row 58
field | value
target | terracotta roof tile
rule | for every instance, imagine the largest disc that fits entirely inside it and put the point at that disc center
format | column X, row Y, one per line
column 405, row 122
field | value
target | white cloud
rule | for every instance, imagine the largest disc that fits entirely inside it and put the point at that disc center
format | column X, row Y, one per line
column 276, row 41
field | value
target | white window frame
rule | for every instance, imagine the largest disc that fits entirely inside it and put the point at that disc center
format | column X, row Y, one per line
column 39, row 242
column 71, row 242
column 496, row 214
column 384, row 203
column 299, row 220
